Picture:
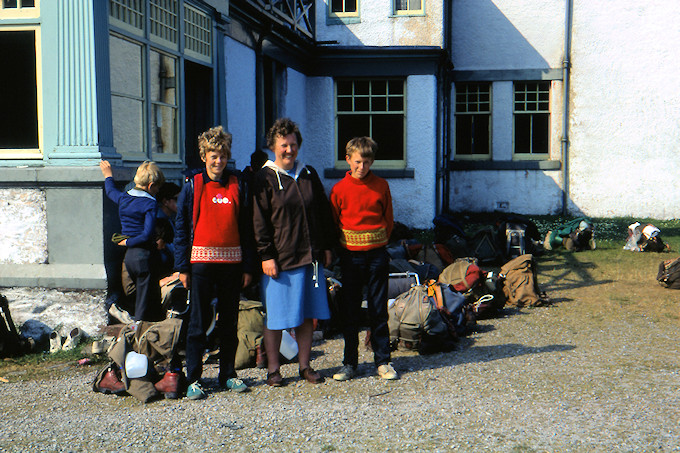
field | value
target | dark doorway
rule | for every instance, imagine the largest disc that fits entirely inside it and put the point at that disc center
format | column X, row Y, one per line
column 199, row 109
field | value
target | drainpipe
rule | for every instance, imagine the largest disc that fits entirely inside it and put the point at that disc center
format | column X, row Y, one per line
column 443, row 156
column 565, row 97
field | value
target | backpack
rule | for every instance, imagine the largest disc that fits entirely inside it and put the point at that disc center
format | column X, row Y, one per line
column 669, row 274
column 520, row 284
column 515, row 240
column 10, row 342
column 249, row 331
column 483, row 245
column 413, row 317
column 462, row 275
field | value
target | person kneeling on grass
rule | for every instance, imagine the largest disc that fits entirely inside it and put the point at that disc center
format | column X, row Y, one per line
column 214, row 254
column 362, row 209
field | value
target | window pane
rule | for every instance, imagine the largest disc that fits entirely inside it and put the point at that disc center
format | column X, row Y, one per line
column 350, row 6
column 379, row 104
column 19, row 101
column 522, row 134
column 162, row 73
column 540, row 133
column 336, row 6
column 415, row 5
column 9, row 3
column 350, row 126
column 396, row 104
column 388, row 132
column 164, row 130
column 28, row 3
column 127, row 124
column 126, row 67
column 481, row 134
column 361, row 104
column 396, row 87
column 344, row 87
column 379, row 87
column 464, row 134
column 344, row 104
column 361, row 87
column 401, row 5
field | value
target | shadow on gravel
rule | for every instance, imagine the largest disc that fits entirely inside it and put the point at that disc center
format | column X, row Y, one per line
column 562, row 271
column 473, row 354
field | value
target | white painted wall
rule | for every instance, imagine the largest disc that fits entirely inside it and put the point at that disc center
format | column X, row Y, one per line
column 295, row 105
column 379, row 27
column 241, row 100
column 507, row 34
column 23, row 223
column 625, row 126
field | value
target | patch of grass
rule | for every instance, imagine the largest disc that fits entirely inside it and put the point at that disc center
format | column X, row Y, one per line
column 43, row 365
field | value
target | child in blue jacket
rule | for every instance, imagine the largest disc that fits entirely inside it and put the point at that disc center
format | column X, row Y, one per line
column 137, row 209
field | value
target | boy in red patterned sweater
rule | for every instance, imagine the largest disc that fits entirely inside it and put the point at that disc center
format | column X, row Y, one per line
column 362, row 208
column 214, row 254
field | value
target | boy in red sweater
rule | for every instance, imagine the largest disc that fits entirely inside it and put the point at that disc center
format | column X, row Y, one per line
column 362, row 208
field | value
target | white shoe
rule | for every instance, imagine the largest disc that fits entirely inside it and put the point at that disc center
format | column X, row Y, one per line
column 387, row 372
column 55, row 342
column 72, row 339
column 120, row 314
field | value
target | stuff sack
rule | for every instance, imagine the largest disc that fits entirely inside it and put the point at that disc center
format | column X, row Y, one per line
column 249, row 331
column 462, row 275
column 645, row 238
column 669, row 274
column 412, row 317
column 575, row 235
column 520, row 284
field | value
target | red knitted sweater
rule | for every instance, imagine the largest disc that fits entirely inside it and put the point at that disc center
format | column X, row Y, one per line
column 362, row 209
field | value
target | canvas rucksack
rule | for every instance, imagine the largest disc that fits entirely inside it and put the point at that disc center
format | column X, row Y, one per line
column 413, row 316
column 669, row 274
column 250, row 332
column 520, row 284
column 10, row 341
column 462, row 275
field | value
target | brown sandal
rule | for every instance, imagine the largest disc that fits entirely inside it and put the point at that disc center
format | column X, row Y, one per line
column 275, row 379
column 311, row 376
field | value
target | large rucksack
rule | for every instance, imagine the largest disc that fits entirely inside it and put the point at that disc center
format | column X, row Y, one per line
column 669, row 273
column 413, row 316
column 10, row 341
column 520, row 283
column 480, row 288
column 250, row 331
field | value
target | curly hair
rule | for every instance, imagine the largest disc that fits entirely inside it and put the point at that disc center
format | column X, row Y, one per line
column 281, row 128
column 214, row 139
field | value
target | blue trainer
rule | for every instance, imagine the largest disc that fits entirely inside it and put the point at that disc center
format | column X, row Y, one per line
column 195, row 391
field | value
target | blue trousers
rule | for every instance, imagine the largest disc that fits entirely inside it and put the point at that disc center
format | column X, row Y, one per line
column 143, row 265
column 210, row 281
column 369, row 268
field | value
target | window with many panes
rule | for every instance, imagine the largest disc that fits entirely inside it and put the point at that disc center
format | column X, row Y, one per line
column 374, row 108
column 408, row 7
column 532, row 120
column 473, row 120
column 343, row 8
column 146, row 58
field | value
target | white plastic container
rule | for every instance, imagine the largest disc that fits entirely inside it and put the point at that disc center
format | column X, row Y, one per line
column 136, row 365
column 289, row 347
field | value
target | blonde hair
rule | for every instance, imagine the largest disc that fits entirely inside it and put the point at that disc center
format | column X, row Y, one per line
column 365, row 146
column 214, row 139
column 148, row 172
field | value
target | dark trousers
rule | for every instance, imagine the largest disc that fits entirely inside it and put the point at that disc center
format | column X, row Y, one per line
column 143, row 265
column 210, row 281
column 370, row 268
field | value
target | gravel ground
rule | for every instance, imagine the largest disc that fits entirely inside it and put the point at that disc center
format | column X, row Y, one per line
column 563, row 378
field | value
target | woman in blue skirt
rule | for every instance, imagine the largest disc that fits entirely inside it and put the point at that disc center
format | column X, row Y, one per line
column 294, row 231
